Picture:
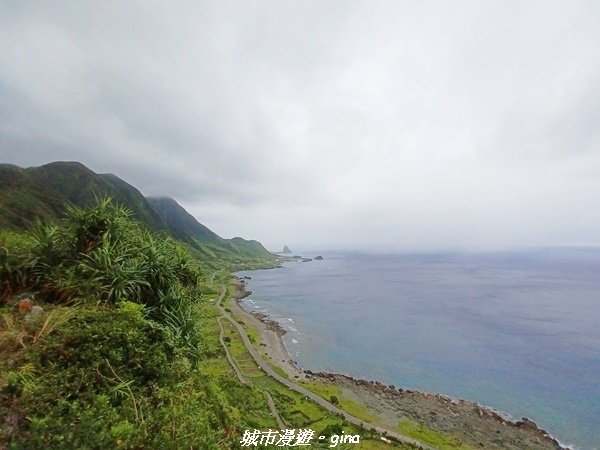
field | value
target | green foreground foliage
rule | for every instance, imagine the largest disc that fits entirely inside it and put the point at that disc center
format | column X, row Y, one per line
column 111, row 357
column 34, row 193
column 109, row 339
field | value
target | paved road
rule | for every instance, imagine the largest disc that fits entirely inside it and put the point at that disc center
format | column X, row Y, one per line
column 238, row 372
column 280, row 423
column 212, row 280
column 232, row 362
column 311, row 395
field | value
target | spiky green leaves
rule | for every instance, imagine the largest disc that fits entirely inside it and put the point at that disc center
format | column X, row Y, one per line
column 99, row 254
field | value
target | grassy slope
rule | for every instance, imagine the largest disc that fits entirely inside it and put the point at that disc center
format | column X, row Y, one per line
column 64, row 382
column 91, row 376
column 42, row 192
column 111, row 360
column 186, row 228
column 105, row 364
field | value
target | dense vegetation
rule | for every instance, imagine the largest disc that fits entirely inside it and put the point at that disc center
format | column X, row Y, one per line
column 109, row 330
column 33, row 193
column 42, row 192
column 109, row 339
column 109, row 354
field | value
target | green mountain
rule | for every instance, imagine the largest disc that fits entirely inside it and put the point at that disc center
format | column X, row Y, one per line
column 41, row 193
column 27, row 194
column 180, row 223
column 183, row 226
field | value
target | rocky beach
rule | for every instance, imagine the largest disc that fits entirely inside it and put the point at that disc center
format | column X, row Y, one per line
column 468, row 423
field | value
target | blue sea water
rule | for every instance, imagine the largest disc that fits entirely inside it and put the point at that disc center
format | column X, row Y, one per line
column 516, row 331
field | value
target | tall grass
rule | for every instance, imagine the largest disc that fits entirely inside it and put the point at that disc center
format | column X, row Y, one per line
column 101, row 254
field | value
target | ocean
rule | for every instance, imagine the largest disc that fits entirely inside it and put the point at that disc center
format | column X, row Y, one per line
column 516, row 331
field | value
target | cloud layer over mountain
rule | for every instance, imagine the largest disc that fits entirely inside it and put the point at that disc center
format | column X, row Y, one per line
column 397, row 125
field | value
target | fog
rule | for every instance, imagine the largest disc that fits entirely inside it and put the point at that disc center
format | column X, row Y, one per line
column 388, row 126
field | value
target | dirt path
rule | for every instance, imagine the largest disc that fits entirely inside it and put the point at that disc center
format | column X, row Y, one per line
column 311, row 395
column 232, row 362
column 471, row 423
column 280, row 423
column 212, row 280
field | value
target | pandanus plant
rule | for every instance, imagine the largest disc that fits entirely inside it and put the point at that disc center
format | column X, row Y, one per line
column 114, row 271
column 48, row 261
column 14, row 273
column 91, row 226
column 100, row 253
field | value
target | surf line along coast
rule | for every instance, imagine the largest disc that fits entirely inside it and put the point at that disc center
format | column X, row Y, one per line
column 465, row 421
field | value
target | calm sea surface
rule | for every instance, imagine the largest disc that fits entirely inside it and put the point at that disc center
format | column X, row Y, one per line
column 519, row 332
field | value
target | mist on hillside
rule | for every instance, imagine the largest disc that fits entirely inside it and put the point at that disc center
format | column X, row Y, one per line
column 391, row 126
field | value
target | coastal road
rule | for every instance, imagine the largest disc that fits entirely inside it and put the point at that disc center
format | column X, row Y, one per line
column 238, row 372
column 232, row 362
column 311, row 395
column 274, row 412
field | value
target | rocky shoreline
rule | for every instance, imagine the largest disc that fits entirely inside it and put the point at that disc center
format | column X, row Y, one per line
column 468, row 421
column 465, row 421
column 271, row 324
column 242, row 293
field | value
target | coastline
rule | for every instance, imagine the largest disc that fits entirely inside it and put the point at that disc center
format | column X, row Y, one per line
column 271, row 344
column 466, row 421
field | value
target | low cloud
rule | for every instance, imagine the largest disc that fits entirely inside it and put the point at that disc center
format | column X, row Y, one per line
column 387, row 125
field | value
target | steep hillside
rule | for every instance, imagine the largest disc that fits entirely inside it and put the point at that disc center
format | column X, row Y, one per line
column 186, row 228
column 42, row 193
column 23, row 198
column 180, row 223
column 251, row 247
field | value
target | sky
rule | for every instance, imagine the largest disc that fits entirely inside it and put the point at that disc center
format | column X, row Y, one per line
column 367, row 125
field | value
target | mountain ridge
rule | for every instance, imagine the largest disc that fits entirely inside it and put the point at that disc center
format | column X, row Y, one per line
column 32, row 193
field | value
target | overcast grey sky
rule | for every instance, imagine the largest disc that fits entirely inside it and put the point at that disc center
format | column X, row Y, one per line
column 401, row 125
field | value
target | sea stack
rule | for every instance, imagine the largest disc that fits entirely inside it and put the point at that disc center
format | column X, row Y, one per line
column 286, row 249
